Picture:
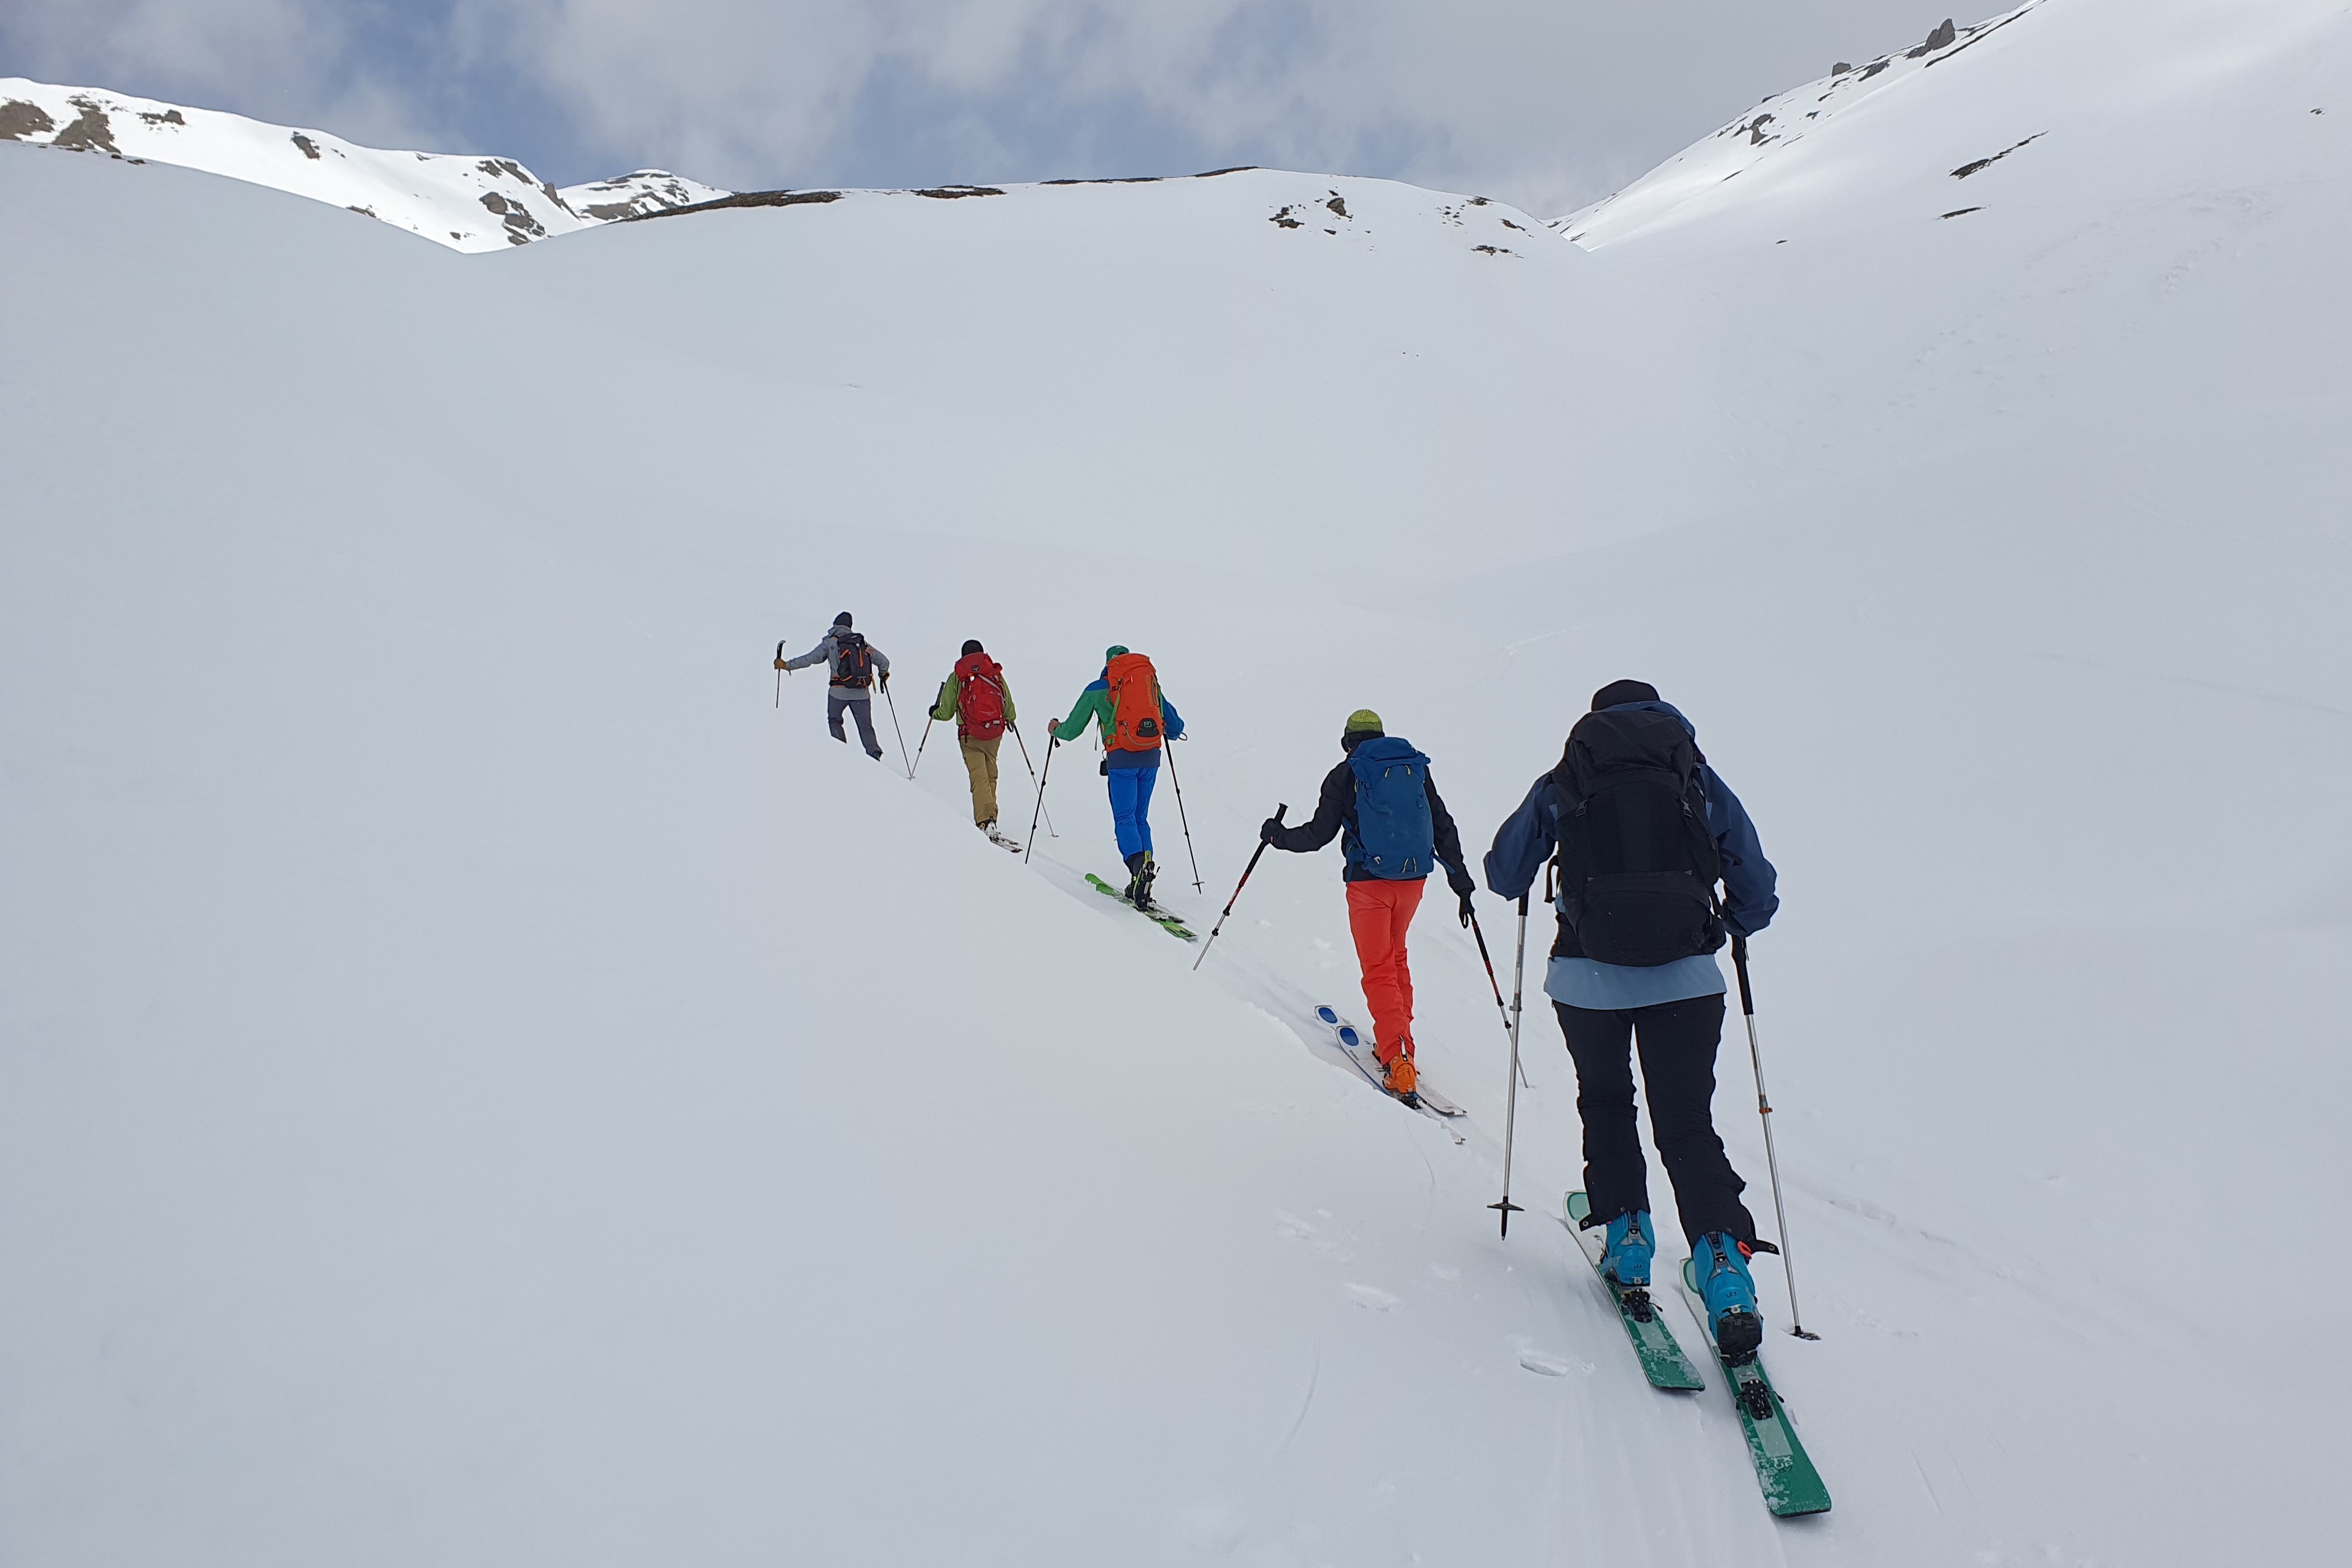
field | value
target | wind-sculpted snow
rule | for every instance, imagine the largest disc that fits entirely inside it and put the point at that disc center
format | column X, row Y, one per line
column 484, row 1080
column 462, row 201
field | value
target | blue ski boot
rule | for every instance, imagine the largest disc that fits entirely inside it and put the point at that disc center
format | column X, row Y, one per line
column 1626, row 1259
column 1729, row 1292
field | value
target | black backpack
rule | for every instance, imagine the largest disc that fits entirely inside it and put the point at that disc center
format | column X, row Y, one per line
column 853, row 659
column 1637, row 864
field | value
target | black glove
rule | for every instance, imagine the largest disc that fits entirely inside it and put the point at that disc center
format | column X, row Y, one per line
column 1462, row 888
column 1267, row 829
column 886, row 680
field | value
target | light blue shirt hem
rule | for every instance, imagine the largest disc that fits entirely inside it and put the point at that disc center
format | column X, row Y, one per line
column 1613, row 987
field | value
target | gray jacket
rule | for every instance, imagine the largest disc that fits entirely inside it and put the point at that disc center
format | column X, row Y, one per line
column 828, row 652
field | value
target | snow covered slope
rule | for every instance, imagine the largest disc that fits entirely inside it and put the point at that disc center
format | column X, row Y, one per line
column 478, row 1083
column 1771, row 128
column 465, row 202
column 2024, row 106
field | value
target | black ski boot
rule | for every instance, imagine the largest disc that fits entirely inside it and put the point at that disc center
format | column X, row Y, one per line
column 1137, row 891
column 1141, row 893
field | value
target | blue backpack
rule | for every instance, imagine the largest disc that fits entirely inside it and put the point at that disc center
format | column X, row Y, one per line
column 1394, row 837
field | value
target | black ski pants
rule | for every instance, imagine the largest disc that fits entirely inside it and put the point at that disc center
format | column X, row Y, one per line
column 862, row 707
column 1677, row 1041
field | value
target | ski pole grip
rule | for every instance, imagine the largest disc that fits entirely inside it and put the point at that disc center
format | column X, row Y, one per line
column 1740, row 966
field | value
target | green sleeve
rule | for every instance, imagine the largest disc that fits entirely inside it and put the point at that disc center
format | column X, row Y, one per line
column 945, row 707
column 1006, row 687
column 1089, row 705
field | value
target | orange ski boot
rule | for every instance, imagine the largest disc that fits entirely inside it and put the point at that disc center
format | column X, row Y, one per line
column 1401, row 1080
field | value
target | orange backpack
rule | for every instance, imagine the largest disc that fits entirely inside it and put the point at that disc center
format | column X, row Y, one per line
column 1134, row 703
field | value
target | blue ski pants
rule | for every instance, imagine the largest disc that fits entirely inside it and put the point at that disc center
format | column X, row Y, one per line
column 1130, row 807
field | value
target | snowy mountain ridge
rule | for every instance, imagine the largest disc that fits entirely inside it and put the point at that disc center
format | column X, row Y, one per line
column 467, row 202
column 1773, row 126
column 475, row 202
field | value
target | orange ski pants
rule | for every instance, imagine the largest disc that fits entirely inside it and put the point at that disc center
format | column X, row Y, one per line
column 1379, row 913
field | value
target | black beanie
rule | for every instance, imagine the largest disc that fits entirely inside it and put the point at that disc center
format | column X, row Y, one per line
column 971, row 644
column 843, row 619
column 1622, row 691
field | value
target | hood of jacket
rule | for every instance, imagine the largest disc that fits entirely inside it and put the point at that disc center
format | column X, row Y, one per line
column 1689, row 728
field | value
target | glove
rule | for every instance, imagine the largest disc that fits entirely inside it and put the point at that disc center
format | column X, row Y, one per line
column 1267, row 829
column 779, row 664
column 886, row 680
column 1462, row 888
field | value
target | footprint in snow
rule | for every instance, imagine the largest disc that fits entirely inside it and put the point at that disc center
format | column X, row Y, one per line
column 1371, row 1298
column 1305, row 1232
column 1543, row 1363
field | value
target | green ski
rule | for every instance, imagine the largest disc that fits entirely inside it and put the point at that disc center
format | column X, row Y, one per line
column 1792, row 1485
column 1159, row 917
column 1662, row 1357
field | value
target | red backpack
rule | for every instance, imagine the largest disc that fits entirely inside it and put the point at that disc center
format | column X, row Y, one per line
column 1134, row 703
column 980, row 696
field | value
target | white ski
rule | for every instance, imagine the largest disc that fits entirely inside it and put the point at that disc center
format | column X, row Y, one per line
column 1359, row 1051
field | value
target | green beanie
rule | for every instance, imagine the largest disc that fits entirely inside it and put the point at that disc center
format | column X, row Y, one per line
column 1113, row 651
column 1363, row 721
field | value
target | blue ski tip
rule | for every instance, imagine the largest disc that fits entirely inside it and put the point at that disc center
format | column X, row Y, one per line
column 1348, row 1039
column 1327, row 1016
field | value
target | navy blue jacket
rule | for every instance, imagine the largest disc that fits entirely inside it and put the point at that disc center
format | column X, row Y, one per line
column 1527, row 837
column 1335, row 809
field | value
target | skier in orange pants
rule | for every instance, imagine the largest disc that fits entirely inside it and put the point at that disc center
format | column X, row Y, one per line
column 1397, row 831
column 1377, row 915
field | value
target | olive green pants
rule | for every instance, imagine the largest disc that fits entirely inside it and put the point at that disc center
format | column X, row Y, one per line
column 980, row 761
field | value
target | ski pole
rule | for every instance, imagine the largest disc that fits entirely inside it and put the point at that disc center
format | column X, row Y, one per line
column 928, row 722
column 1213, row 930
column 779, row 674
column 1170, row 750
column 1051, row 744
column 1033, row 778
column 1495, row 985
column 1771, row 1158
column 1511, row 1087
column 894, row 726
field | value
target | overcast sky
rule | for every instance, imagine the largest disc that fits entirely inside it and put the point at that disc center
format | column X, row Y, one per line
column 1544, row 103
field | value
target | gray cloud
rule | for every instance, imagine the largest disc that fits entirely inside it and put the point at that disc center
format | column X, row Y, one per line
column 1547, row 103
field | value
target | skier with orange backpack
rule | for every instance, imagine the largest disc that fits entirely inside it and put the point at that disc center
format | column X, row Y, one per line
column 977, row 698
column 1135, row 718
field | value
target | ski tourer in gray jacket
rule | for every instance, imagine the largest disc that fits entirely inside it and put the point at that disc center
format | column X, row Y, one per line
column 828, row 653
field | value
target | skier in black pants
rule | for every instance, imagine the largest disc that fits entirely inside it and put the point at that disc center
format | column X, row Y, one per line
column 1642, row 829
